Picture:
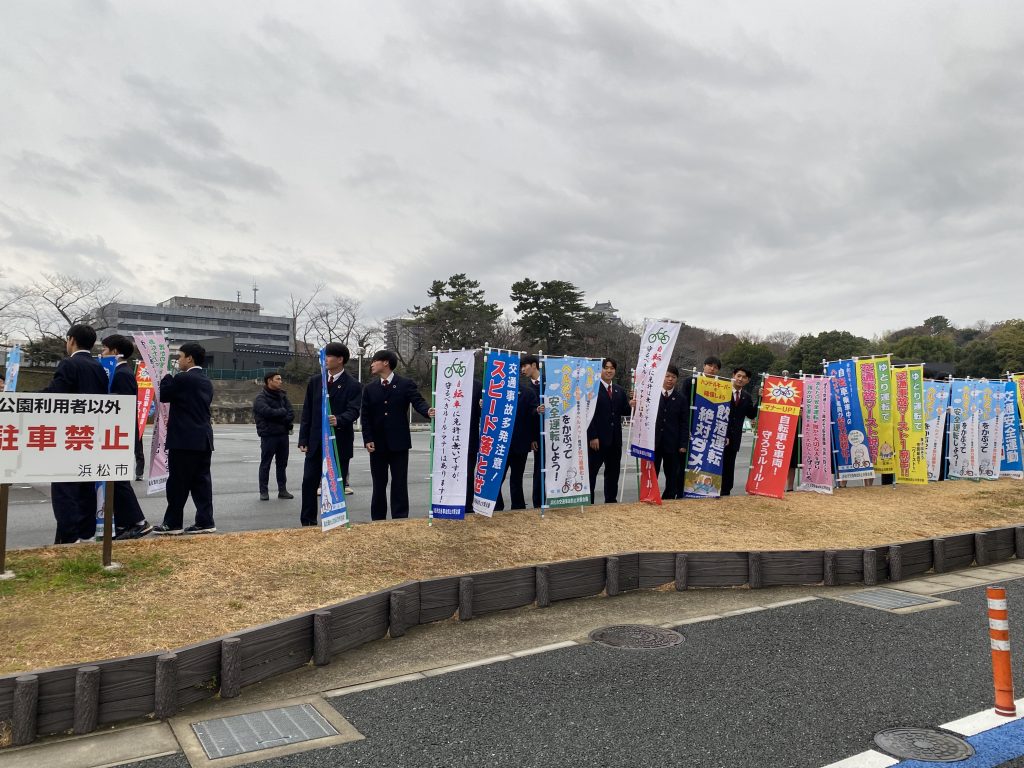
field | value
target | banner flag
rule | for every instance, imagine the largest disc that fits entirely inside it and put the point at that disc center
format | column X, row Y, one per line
column 1018, row 380
column 333, row 510
column 816, row 447
column 145, row 397
column 963, row 432
column 853, row 457
column 1012, row 464
column 453, row 405
column 936, row 406
column 886, row 461
column 156, row 354
column 873, row 389
column 656, row 345
column 781, row 399
column 650, row 491
column 13, row 366
column 911, row 437
column 712, row 401
column 109, row 363
column 989, row 402
column 497, row 417
column 570, row 393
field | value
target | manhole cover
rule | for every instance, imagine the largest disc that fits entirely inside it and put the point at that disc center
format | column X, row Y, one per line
column 924, row 744
column 636, row 636
column 237, row 735
column 889, row 599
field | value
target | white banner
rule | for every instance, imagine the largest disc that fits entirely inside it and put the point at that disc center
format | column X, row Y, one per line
column 453, row 407
column 988, row 400
column 48, row 438
column 963, row 432
column 571, row 385
column 656, row 345
column 155, row 354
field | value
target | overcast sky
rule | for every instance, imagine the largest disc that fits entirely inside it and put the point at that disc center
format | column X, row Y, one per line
column 748, row 166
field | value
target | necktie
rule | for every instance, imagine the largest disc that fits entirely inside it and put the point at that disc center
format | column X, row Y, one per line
column 609, row 390
column 736, row 398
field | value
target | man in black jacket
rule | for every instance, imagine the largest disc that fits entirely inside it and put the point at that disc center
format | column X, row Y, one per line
column 343, row 396
column 274, row 420
column 671, row 434
column 74, row 504
column 604, row 435
column 385, row 423
column 742, row 408
column 129, row 522
column 189, row 443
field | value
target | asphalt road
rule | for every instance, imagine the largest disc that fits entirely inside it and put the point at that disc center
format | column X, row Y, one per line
column 799, row 686
column 236, row 501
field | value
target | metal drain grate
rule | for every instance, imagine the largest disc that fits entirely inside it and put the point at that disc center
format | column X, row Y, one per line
column 227, row 736
column 924, row 744
column 636, row 637
column 889, row 599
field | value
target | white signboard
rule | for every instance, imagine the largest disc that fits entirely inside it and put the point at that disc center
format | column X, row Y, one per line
column 47, row 438
column 453, row 406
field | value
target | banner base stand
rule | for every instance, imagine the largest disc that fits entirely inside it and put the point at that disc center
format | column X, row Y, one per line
column 7, row 575
column 112, row 567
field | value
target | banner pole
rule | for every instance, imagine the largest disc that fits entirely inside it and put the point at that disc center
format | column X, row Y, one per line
column 108, row 529
column 632, row 417
column 433, row 431
column 5, row 495
column 540, row 443
column 949, row 426
column 799, row 471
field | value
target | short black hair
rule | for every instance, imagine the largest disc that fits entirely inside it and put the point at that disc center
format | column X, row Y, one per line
column 195, row 350
column 611, row 360
column 386, row 356
column 738, row 368
column 120, row 344
column 268, row 376
column 337, row 349
column 673, row 369
column 712, row 360
column 84, row 336
column 529, row 360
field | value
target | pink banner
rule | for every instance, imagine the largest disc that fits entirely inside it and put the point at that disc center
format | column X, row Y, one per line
column 816, row 446
column 156, row 355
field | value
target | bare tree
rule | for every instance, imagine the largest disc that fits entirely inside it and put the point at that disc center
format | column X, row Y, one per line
column 298, row 309
column 48, row 306
column 339, row 319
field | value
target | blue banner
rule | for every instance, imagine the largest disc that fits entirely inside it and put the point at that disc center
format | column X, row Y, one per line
column 570, row 392
column 497, row 420
column 1011, row 465
column 936, row 405
column 712, row 401
column 849, row 436
column 13, row 366
column 109, row 363
column 333, row 511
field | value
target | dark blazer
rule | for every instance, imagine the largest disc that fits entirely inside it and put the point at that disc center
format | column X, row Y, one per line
column 188, row 423
column 79, row 374
column 385, row 413
column 526, row 429
column 124, row 382
column 745, row 410
column 344, row 396
column 273, row 413
column 606, row 426
column 671, row 430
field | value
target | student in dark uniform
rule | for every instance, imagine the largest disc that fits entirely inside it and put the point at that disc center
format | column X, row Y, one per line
column 189, row 443
column 129, row 522
column 344, row 394
column 604, row 435
column 74, row 504
column 385, row 423
column 671, row 436
column 742, row 408
column 525, row 437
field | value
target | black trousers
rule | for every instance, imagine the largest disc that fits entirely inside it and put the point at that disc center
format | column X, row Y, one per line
column 728, row 469
column 127, row 511
column 188, row 474
column 384, row 462
column 517, row 469
column 74, row 508
column 673, row 463
column 611, row 459
column 273, row 449
column 312, row 471
column 140, row 458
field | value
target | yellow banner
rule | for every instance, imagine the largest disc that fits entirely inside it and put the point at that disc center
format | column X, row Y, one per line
column 872, row 393
column 911, row 462
column 886, row 461
column 1018, row 379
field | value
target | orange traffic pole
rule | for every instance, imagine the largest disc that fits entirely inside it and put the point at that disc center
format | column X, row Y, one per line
column 999, row 638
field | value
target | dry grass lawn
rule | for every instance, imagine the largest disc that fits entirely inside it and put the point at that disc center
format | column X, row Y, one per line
column 62, row 608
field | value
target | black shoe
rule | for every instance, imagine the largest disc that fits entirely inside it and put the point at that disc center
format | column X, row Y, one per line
column 138, row 477
column 135, row 531
column 201, row 529
column 264, row 496
column 166, row 530
column 282, row 494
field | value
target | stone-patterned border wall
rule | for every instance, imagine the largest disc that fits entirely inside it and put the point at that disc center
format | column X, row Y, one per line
column 80, row 698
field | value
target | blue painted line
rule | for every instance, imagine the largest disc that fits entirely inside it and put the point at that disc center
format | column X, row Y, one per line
column 992, row 748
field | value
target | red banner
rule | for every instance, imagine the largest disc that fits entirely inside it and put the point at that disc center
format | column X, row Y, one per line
column 775, row 440
column 145, row 396
column 649, row 490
